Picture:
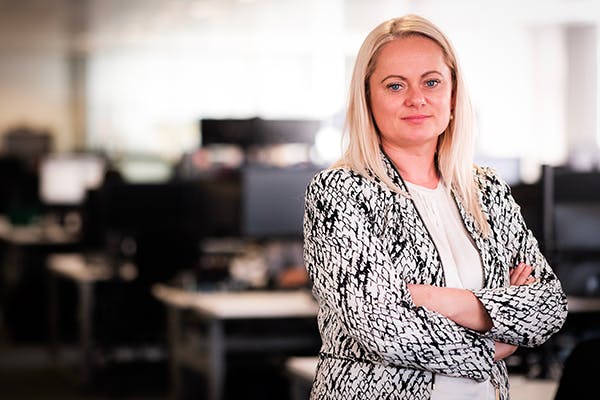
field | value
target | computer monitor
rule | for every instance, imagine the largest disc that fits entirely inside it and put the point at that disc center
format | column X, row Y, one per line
column 241, row 132
column 258, row 131
column 64, row 179
column 156, row 225
column 575, row 209
column 12, row 175
column 135, row 208
column 281, row 131
column 219, row 203
column 28, row 145
column 273, row 201
column 572, row 227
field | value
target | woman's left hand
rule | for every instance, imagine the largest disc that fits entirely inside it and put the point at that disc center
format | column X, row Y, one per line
column 521, row 275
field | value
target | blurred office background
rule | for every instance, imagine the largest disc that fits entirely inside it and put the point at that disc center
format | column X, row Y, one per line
column 168, row 142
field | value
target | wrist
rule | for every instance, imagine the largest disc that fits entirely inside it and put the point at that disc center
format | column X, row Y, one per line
column 421, row 295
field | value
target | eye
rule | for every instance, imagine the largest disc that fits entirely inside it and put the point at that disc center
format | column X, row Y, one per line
column 431, row 83
column 394, row 87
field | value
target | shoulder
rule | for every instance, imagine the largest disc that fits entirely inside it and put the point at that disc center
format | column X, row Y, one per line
column 346, row 185
column 489, row 180
column 334, row 179
column 494, row 192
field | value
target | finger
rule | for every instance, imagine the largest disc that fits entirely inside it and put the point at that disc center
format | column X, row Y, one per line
column 525, row 274
column 516, row 273
column 525, row 277
column 522, row 272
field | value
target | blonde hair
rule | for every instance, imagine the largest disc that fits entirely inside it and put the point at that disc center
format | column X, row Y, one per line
column 456, row 144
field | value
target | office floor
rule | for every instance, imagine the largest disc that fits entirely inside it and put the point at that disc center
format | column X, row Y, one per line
column 28, row 374
column 527, row 389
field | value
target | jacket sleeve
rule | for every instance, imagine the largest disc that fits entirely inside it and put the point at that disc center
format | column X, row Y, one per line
column 355, row 280
column 525, row 315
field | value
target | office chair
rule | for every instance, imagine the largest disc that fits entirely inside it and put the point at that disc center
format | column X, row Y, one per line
column 579, row 373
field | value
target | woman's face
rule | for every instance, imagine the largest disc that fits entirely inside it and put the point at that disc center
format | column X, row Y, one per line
column 411, row 93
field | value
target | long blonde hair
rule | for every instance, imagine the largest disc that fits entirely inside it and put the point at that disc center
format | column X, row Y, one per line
column 455, row 147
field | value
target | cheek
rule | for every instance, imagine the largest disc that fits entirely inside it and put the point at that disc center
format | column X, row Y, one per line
column 446, row 109
column 383, row 106
column 448, row 99
column 379, row 112
column 444, row 105
column 376, row 106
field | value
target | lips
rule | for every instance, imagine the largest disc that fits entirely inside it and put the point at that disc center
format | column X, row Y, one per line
column 415, row 118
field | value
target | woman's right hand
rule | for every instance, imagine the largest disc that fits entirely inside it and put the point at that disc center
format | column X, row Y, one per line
column 503, row 350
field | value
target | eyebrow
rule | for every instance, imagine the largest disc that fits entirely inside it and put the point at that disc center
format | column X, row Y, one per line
column 403, row 78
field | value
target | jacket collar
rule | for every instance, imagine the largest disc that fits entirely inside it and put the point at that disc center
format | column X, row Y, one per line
column 392, row 171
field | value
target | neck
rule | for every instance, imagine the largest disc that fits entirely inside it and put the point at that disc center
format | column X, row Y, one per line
column 416, row 167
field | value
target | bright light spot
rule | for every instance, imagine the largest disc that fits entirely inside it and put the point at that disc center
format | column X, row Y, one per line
column 328, row 143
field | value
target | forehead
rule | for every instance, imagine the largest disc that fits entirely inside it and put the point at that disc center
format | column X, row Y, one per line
column 405, row 54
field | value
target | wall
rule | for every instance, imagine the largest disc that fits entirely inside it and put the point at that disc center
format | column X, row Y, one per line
column 137, row 76
column 34, row 69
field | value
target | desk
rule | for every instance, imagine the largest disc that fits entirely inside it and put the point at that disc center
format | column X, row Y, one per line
column 23, row 276
column 35, row 234
column 73, row 266
column 583, row 304
column 214, row 309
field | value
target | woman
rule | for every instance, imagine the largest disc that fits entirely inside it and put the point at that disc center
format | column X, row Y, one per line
column 425, row 273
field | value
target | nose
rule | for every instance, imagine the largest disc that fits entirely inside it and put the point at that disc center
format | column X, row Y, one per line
column 415, row 97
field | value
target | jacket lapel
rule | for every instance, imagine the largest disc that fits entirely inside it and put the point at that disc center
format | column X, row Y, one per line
column 421, row 255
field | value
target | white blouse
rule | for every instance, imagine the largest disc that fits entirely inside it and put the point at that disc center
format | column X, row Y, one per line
column 462, row 269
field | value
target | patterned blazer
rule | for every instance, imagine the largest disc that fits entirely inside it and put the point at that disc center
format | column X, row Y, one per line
column 363, row 243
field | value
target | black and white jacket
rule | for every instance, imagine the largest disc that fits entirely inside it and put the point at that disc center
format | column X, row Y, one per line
column 363, row 243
